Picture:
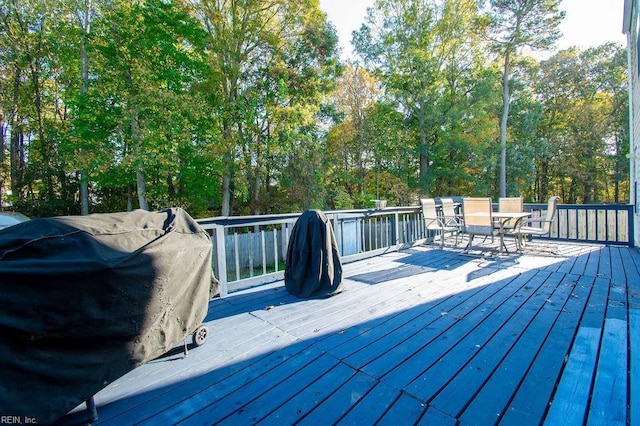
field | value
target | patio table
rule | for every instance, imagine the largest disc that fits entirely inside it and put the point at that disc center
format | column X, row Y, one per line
column 502, row 218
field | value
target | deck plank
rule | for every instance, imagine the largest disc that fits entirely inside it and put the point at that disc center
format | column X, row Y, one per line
column 420, row 336
column 276, row 397
column 631, row 262
column 405, row 410
column 408, row 338
column 609, row 395
column 408, row 373
column 340, row 402
column 372, row 344
column 484, row 364
column 303, row 403
column 490, row 403
column 529, row 404
column 571, row 399
column 213, row 406
column 474, row 354
column 213, row 379
column 371, row 407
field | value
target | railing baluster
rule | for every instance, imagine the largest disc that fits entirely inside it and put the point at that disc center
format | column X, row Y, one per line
column 263, row 245
column 250, row 239
column 237, row 255
column 275, row 248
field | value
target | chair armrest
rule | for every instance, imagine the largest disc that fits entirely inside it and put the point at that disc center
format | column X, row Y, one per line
column 534, row 220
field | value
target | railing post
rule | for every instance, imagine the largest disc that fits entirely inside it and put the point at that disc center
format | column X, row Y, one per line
column 221, row 259
column 632, row 236
column 395, row 230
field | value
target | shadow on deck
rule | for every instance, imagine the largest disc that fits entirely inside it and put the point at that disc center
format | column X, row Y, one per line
column 421, row 336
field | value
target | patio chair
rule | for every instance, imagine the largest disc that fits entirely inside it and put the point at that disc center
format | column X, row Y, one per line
column 434, row 221
column 510, row 205
column 477, row 220
column 451, row 216
column 544, row 225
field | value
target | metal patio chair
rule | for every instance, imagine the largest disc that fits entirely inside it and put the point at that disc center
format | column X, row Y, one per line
column 527, row 230
column 434, row 221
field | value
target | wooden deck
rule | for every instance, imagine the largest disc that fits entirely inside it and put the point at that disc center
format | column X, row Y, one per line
column 421, row 336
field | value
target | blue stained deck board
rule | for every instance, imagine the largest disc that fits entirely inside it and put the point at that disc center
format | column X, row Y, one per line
column 608, row 400
column 309, row 399
column 565, row 266
column 634, row 366
column 570, row 401
column 376, row 342
column 476, row 354
column 606, row 260
column 456, row 395
column 530, row 402
column 203, row 387
column 569, row 405
column 212, row 404
column 489, row 404
column 405, row 410
column 416, row 316
column 409, row 373
column 631, row 262
column 435, row 417
column 378, row 360
column 153, row 379
column 271, row 395
column 580, row 264
column 609, row 396
column 353, row 337
column 596, row 259
column 421, row 336
column 339, row 402
column 371, row 407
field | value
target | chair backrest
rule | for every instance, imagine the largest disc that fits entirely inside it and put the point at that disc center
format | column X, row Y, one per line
column 428, row 208
column 476, row 213
column 429, row 212
column 510, row 204
column 551, row 213
column 448, row 208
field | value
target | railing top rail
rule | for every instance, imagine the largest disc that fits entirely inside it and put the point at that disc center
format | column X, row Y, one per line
column 274, row 219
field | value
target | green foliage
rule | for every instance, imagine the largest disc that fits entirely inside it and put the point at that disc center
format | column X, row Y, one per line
column 244, row 108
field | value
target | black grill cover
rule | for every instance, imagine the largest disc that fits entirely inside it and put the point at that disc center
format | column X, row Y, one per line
column 313, row 267
column 85, row 299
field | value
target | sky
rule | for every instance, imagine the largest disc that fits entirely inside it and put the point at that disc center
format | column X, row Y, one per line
column 587, row 23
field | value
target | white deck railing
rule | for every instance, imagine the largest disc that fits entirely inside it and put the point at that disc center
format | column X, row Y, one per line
column 251, row 250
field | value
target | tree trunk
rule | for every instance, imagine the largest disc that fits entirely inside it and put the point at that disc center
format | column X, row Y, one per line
column 2, row 155
column 140, row 177
column 45, row 146
column 84, row 84
column 424, row 150
column 503, row 125
column 226, row 190
column 16, row 153
column 142, row 189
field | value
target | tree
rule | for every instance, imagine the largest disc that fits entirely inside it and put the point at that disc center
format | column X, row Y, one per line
column 428, row 57
column 581, row 142
column 148, row 56
column 516, row 24
column 271, row 61
column 355, row 92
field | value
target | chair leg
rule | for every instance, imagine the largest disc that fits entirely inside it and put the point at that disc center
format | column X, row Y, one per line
column 469, row 243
